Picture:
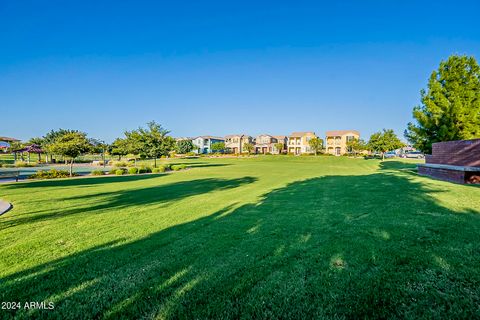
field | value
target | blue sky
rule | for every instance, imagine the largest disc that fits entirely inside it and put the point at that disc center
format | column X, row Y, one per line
column 204, row 67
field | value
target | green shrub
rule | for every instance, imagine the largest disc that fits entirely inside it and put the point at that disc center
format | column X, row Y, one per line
column 167, row 167
column 178, row 167
column 8, row 165
column 159, row 169
column 51, row 174
column 119, row 164
column 112, row 171
column 144, row 170
column 133, row 170
column 22, row 164
column 119, row 172
column 97, row 173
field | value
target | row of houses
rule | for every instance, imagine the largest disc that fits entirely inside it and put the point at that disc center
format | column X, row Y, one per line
column 295, row 143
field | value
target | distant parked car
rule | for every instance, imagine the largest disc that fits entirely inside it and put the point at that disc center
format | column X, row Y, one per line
column 390, row 154
column 414, row 155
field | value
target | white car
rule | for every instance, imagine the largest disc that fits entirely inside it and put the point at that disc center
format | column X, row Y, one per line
column 414, row 155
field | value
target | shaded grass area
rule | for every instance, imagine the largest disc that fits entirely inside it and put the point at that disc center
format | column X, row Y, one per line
column 255, row 238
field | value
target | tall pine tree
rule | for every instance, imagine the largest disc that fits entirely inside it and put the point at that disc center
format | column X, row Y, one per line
column 450, row 109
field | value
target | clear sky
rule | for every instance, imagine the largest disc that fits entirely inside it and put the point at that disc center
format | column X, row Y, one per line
column 204, row 67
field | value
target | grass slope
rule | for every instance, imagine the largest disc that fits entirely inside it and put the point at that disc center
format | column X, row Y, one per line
column 267, row 237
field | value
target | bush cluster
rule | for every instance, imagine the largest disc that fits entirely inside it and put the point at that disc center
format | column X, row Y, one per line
column 119, row 164
column 133, row 170
column 51, row 174
column 144, row 170
column 98, row 173
column 140, row 170
column 159, row 169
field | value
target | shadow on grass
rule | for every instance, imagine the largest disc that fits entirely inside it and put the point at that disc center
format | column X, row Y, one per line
column 373, row 246
column 118, row 199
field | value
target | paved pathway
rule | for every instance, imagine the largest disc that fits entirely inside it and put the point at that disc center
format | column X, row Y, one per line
column 4, row 207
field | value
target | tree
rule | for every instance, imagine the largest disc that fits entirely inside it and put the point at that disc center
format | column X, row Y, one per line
column 384, row 141
column 150, row 142
column 71, row 145
column 184, row 146
column 316, row 144
column 249, row 147
column 119, row 148
column 450, row 109
column 218, row 146
column 279, row 146
column 356, row 145
column 51, row 137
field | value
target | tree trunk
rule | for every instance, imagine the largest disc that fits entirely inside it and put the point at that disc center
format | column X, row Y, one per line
column 71, row 168
column 383, row 156
column 155, row 162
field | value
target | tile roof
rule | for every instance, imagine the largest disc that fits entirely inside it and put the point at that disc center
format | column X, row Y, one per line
column 236, row 135
column 210, row 137
column 301, row 134
column 8, row 139
column 341, row 132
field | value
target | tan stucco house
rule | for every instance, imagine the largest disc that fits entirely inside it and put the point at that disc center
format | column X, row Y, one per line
column 298, row 142
column 336, row 141
column 265, row 143
column 234, row 143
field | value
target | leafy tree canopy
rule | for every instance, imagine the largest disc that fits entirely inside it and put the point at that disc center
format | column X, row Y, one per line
column 279, row 146
column 248, row 147
column 356, row 145
column 71, row 145
column 384, row 141
column 151, row 141
column 184, row 146
column 450, row 108
column 316, row 144
column 218, row 146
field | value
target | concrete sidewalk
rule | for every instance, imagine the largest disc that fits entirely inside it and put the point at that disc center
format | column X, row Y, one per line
column 4, row 207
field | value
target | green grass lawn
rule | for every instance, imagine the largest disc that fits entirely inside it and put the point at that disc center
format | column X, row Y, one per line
column 267, row 237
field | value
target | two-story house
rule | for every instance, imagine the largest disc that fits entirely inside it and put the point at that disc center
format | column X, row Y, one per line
column 284, row 141
column 266, row 143
column 298, row 142
column 235, row 143
column 203, row 144
column 336, row 141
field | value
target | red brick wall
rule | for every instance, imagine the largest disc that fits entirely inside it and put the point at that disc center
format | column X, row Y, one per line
column 443, row 174
column 456, row 153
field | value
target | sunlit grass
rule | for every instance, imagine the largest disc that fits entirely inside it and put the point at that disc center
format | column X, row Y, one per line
column 265, row 237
